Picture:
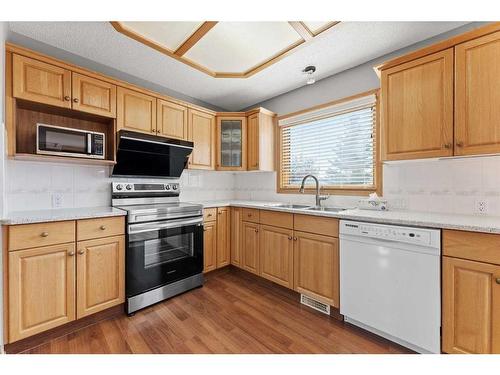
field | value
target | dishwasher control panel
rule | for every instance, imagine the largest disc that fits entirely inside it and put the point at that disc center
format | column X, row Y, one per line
column 416, row 236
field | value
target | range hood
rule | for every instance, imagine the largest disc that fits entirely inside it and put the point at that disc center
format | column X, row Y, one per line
column 148, row 156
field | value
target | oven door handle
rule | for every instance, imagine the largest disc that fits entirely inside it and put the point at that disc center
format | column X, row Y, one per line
column 151, row 227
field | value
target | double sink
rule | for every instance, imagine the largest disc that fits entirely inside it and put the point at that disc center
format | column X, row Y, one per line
column 306, row 207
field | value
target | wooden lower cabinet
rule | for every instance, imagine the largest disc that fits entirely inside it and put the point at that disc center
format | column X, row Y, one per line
column 236, row 216
column 209, row 246
column 316, row 267
column 223, row 237
column 276, row 254
column 41, row 289
column 471, row 307
column 101, row 274
column 250, row 247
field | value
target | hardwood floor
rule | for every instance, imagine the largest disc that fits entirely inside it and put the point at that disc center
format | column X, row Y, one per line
column 234, row 312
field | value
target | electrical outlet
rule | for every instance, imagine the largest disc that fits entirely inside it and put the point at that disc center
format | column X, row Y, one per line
column 481, row 206
column 57, row 200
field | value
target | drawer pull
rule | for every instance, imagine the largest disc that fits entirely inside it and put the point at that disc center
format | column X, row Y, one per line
column 209, row 215
column 497, row 280
column 102, row 227
column 71, row 253
column 45, row 234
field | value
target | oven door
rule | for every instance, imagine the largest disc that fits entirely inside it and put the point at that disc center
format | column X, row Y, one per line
column 162, row 252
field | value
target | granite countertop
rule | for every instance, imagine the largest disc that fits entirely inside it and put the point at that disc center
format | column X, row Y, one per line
column 472, row 223
column 61, row 214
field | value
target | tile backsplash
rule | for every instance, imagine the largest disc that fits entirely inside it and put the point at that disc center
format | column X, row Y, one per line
column 41, row 185
column 459, row 185
column 454, row 185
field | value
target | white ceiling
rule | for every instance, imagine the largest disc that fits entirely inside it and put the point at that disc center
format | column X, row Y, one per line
column 344, row 46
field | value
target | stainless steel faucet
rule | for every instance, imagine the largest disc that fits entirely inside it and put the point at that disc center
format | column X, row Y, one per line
column 319, row 198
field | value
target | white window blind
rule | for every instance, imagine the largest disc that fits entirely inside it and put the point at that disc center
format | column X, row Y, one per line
column 336, row 144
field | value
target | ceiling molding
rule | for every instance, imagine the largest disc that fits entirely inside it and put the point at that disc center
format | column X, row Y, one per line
column 322, row 29
column 195, row 37
column 305, row 34
column 302, row 30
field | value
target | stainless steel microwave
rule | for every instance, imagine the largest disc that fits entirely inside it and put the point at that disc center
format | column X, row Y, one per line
column 56, row 140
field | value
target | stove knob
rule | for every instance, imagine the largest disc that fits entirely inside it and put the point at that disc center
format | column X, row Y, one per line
column 167, row 187
column 119, row 187
column 174, row 187
column 128, row 187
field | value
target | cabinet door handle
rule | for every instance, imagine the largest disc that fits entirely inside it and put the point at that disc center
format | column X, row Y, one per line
column 44, row 234
column 71, row 253
column 295, row 238
column 290, row 238
column 447, row 145
column 67, row 98
column 497, row 280
column 81, row 252
column 220, row 213
column 460, row 144
column 75, row 100
column 256, row 231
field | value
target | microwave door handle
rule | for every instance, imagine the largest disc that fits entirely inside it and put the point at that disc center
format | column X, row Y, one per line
column 151, row 227
column 89, row 143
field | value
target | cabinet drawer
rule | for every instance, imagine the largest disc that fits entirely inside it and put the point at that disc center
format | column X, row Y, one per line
column 209, row 214
column 276, row 219
column 98, row 228
column 251, row 214
column 483, row 247
column 25, row 236
column 316, row 224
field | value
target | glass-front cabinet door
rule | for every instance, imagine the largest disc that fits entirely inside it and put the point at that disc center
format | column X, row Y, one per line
column 231, row 143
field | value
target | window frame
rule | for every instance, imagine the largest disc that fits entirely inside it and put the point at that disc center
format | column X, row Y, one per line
column 335, row 189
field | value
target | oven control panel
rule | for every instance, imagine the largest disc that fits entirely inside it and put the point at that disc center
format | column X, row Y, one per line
column 129, row 187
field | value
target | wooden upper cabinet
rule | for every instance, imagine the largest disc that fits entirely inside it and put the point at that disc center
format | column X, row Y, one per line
column 41, row 289
column 40, row 82
column 135, row 111
column 172, row 120
column 101, row 274
column 209, row 246
column 93, row 95
column 276, row 255
column 260, row 142
column 253, row 142
column 471, row 307
column 231, row 143
column 417, row 108
column 316, row 267
column 223, row 237
column 477, row 96
column 201, row 131
column 250, row 247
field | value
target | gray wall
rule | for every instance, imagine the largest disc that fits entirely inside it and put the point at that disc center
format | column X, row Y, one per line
column 92, row 65
column 350, row 82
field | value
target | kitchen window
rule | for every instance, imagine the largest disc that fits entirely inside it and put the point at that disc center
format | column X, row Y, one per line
column 336, row 142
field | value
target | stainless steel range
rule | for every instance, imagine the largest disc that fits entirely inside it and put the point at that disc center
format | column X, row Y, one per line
column 164, row 255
